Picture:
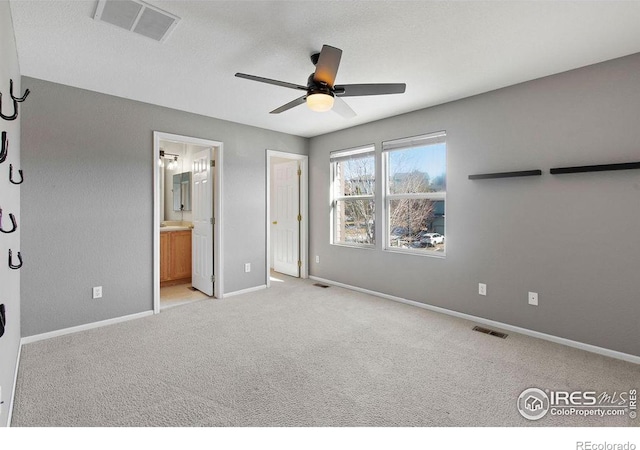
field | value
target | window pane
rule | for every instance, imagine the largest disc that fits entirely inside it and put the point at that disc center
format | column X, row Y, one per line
column 417, row 224
column 354, row 222
column 417, row 169
column 355, row 176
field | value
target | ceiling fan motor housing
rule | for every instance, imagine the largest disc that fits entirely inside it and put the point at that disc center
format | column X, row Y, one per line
column 318, row 87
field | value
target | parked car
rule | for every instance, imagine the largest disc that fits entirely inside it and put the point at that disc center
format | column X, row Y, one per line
column 431, row 239
column 421, row 235
column 399, row 233
column 413, row 244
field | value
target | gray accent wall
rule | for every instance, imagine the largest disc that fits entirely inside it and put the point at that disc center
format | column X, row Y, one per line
column 573, row 239
column 88, row 202
column 10, row 204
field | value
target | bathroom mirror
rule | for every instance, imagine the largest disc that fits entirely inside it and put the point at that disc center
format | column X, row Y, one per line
column 182, row 191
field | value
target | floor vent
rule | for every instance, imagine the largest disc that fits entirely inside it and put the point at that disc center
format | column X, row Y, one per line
column 491, row 332
column 137, row 16
column 321, row 285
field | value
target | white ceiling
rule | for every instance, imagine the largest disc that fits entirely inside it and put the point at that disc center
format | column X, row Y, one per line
column 442, row 50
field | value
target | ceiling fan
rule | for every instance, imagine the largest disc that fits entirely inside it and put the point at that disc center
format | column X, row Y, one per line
column 321, row 92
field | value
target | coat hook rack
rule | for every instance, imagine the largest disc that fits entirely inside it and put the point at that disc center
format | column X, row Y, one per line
column 11, row 265
column 11, row 175
column 15, row 100
column 4, row 151
column 13, row 222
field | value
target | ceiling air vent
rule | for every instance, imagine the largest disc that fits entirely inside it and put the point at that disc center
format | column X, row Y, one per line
column 137, row 16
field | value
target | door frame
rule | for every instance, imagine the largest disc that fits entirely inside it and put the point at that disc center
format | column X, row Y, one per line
column 304, row 211
column 218, row 250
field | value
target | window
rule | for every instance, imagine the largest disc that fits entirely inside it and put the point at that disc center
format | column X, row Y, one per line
column 353, row 197
column 415, row 191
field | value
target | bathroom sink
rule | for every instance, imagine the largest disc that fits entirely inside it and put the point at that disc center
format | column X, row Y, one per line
column 174, row 228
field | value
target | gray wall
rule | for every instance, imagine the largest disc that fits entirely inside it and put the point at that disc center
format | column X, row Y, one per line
column 88, row 203
column 10, row 203
column 574, row 239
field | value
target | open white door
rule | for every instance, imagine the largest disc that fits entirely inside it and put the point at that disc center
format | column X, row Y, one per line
column 202, row 213
column 286, row 230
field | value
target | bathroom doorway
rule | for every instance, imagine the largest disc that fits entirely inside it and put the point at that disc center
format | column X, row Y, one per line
column 187, row 187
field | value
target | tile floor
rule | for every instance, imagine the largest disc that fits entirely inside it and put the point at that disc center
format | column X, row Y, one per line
column 180, row 294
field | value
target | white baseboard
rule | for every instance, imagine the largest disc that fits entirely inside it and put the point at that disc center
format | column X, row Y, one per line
column 87, row 326
column 245, row 291
column 15, row 381
column 536, row 334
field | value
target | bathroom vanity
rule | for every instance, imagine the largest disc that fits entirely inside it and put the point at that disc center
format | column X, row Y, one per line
column 175, row 255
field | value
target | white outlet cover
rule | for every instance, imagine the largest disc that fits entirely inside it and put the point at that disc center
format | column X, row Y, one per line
column 317, row 259
column 97, row 292
column 482, row 289
column 533, row 298
column 247, row 267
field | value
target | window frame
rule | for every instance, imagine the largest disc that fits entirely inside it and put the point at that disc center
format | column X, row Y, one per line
column 334, row 158
column 406, row 144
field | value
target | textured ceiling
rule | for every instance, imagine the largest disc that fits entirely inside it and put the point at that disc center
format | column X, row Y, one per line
column 442, row 50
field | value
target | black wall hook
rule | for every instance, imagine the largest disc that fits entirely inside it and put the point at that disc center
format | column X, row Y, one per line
column 3, row 319
column 13, row 222
column 11, row 265
column 11, row 175
column 4, row 151
column 15, row 100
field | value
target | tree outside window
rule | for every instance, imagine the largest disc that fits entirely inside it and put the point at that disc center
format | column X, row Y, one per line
column 353, row 197
column 415, row 176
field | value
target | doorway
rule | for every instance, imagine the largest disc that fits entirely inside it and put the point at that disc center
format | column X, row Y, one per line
column 287, row 214
column 187, row 187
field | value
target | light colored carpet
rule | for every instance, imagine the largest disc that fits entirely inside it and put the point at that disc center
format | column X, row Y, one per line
column 299, row 355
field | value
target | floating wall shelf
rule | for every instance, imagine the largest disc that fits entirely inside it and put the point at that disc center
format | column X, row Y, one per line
column 522, row 173
column 596, row 168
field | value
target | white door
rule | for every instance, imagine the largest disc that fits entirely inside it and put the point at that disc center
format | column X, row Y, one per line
column 202, row 213
column 286, row 226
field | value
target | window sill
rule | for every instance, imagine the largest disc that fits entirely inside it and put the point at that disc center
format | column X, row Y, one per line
column 361, row 246
column 437, row 255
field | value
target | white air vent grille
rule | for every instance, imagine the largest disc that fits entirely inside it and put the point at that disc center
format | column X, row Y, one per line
column 137, row 16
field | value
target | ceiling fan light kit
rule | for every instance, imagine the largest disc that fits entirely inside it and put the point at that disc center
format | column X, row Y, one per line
column 321, row 90
column 320, row 102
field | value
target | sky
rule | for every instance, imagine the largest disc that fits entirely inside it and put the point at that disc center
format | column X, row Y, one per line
column 432, row 161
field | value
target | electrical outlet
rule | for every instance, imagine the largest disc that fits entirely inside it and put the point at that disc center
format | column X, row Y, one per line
column 533, row 298
column 482, row 289
column 97, row 292
column 247, row 267
column 317, row 259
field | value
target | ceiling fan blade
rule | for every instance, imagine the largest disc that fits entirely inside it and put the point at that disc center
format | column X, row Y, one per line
column 291, row 104
column 341, row 107
column 355, row 90
column 270, row 81
column 327, row 65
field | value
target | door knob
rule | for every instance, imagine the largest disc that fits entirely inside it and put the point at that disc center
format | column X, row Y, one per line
column 275, row 223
